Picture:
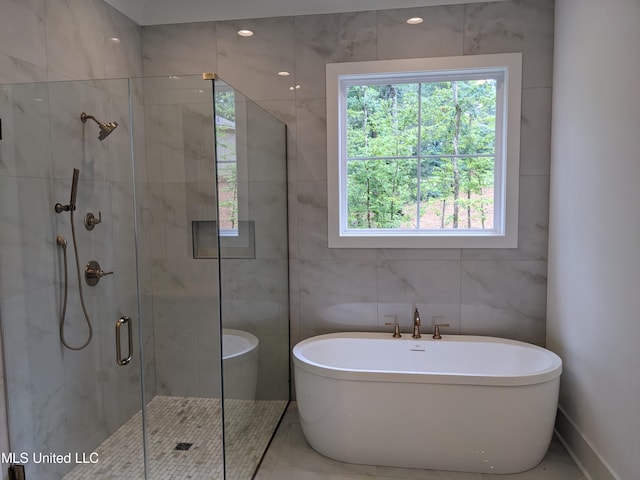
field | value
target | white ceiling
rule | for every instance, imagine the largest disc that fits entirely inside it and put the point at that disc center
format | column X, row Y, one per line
column 159, row 12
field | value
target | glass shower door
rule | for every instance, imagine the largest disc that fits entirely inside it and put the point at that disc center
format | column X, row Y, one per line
column 254, row 290
column 183, row 397
column 65, row 401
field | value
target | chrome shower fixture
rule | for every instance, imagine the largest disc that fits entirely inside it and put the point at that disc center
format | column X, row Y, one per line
column 105, row 128
column 59, row 208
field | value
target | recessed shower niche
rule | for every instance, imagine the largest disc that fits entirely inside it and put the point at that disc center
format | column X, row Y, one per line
column 192, row 194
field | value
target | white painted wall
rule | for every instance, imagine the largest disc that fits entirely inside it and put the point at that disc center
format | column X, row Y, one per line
column 594, row 241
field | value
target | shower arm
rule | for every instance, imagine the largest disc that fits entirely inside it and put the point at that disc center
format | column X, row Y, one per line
column 84, row 117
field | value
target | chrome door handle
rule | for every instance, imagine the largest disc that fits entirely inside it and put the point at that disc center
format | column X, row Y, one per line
column 119, row 323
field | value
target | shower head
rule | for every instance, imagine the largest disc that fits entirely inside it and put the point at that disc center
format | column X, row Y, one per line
column 105, row 128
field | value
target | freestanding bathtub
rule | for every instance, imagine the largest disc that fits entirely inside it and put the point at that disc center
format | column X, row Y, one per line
column 240, row 364
column 462, row 403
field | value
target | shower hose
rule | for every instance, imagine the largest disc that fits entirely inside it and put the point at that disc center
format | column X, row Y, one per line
column 63, row 243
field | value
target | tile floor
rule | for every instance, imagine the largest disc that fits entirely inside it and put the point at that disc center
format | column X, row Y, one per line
column 194, row 422
column 289, row 457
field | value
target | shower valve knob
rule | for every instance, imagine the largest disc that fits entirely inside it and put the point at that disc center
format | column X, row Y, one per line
column 93, row 273
column 90, row 220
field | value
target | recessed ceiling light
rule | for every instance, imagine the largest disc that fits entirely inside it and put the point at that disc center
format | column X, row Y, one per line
column 245, row 33
column 414, row 20
column 115, row 39
column 284, row 74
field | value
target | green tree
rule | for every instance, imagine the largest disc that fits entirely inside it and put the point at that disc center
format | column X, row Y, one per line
column 438, row 135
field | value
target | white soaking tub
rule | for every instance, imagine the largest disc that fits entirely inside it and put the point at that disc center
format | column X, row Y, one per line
column 240, row 364
column 462, row 403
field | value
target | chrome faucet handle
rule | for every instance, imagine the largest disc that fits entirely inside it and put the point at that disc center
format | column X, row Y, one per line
column 436, row 330
column 396, row 329
column 395, row 325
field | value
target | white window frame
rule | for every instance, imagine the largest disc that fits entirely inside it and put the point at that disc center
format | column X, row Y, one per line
column 505, row 231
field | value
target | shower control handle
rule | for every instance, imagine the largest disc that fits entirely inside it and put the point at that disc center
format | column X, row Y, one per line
column 93, row 273
column 90, row 220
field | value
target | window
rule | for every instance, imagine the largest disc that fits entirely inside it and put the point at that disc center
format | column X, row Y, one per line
column 424, row 152
column 226, row 159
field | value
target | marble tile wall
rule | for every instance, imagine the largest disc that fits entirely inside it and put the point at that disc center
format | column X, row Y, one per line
column 493, row 291
column 180, row 169
column 60, row 399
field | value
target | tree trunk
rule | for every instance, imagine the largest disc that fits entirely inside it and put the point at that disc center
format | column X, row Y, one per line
column 456, row 139
column 469, row 202
column 368, row 204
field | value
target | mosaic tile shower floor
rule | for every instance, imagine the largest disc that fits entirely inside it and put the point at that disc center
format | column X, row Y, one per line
column 183, row 420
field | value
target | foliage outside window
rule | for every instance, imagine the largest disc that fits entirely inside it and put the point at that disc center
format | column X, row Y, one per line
column 226, row 161
column 424, row 152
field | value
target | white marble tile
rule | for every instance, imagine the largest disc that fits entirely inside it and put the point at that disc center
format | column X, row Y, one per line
column 412, row 281
column 152, row 220
column 25, row 110
column 254, row 280
column 251, row 64
column 183, row 314
column 177, row 228
column 164, row 143
column 75, row 45
column 515, row 26
column 535, row 131
column 179, row 49
column 118, row 143
column 122, row 44
column 504, row 299
column 201, row 201
column 266, row 145
column 439, row 35
column 311, row 139
column 556, row 465
column 28, row 254
column 418, row 254
column 337, row 295
column 260, row 317
column 322, row 39
column 268, row 206
column 22, row 31
column 122, row 224
column 177, row 90
column 297, row 457
column 14, row 70
column 173, row 276
column 176, row 364
column 198, row 142
column 433, row 286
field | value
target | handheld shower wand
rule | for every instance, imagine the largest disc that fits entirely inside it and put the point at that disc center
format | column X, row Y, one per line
column 59, row 208
column 61, row 242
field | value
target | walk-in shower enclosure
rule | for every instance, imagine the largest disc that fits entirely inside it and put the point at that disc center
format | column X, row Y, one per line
column 188, row 208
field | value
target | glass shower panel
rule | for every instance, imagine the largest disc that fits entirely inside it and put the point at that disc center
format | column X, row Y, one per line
column 183, row 410
column 252, row 203
column 63, row 401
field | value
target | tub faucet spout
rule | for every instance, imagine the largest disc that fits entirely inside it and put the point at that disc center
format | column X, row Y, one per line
column 416, row 324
